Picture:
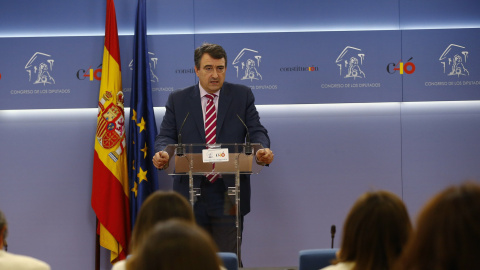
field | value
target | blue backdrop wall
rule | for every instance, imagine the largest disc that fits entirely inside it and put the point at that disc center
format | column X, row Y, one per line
column 356, row 96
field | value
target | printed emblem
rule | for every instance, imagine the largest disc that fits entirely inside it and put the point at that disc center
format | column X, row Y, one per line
column 39, row 68
column 247, row 64
column 153, row 66
column 453, row 60
column 350, row 61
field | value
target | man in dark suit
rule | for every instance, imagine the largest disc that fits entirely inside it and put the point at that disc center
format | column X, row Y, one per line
column 213, row 209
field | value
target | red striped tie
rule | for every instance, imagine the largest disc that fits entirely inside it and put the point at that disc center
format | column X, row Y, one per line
column 211, row 130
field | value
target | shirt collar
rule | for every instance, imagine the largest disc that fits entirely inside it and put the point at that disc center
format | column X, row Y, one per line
column 203, row 92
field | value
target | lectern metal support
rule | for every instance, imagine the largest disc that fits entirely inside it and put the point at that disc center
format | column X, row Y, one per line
column 237, row 207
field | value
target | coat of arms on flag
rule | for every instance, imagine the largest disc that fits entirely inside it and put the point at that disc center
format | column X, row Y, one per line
column 111, row 125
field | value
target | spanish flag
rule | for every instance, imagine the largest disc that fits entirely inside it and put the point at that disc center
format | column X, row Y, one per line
column 110, row 174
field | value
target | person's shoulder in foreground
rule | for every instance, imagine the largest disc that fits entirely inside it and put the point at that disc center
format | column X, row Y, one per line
column 13, row 261
column 19, row 262
column 121, row 265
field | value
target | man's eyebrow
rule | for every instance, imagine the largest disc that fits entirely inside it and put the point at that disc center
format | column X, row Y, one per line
column 219, row 66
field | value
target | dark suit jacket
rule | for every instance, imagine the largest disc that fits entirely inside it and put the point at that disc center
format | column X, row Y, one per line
column 234, row 99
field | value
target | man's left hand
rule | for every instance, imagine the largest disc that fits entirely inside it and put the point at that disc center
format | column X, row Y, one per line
column 265, row 155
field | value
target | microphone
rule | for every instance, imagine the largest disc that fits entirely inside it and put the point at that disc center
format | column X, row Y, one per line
column 180, row 148
column 248, row 147
column 332, row 232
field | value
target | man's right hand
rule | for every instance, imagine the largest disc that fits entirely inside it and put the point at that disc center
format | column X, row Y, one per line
column 160, row 159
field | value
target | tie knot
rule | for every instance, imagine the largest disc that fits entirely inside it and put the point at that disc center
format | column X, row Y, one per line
column 210, row 96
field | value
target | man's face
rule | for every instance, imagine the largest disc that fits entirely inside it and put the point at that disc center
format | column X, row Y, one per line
column 211, row 73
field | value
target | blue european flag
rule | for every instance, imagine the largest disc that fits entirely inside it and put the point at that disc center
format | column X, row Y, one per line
column 143, row 179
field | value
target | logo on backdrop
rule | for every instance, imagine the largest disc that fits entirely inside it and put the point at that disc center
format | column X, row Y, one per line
column 453, row 60
column 350, row 62
column 298, row 68
column 90, row 73
column 247, row 65
column 454, row 63
column 350, row 65
column 39, row 69
column 401, row 67
column 153, row 66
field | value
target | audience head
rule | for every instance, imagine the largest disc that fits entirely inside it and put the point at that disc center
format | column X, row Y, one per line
column 3, row 230
column 176, row 244
column 447, row 234
column 159, row 206
column 375, row 231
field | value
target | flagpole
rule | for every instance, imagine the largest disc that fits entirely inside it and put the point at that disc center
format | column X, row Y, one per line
column 97, row 247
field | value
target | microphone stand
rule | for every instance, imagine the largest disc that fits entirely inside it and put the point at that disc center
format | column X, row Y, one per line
column 180, row 150
column 248, row 146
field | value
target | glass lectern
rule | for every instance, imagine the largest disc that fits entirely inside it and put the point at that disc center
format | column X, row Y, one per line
column 202, row 159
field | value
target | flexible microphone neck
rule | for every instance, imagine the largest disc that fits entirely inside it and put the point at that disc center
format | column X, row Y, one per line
column 180, row 148
column 332, row 232
column 248, row 147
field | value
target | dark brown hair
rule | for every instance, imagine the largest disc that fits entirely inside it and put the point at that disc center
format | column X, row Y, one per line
column 176, row 244
column 214, row 50
column 375, row 231
column 159, row 206
column 4, row 228
column 447, row 234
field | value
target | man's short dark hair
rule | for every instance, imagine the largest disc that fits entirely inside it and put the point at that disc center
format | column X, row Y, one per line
column 214, row 50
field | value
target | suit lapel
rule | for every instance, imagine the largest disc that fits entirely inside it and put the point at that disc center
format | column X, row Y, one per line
column 224, row 101
column 196, row 112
